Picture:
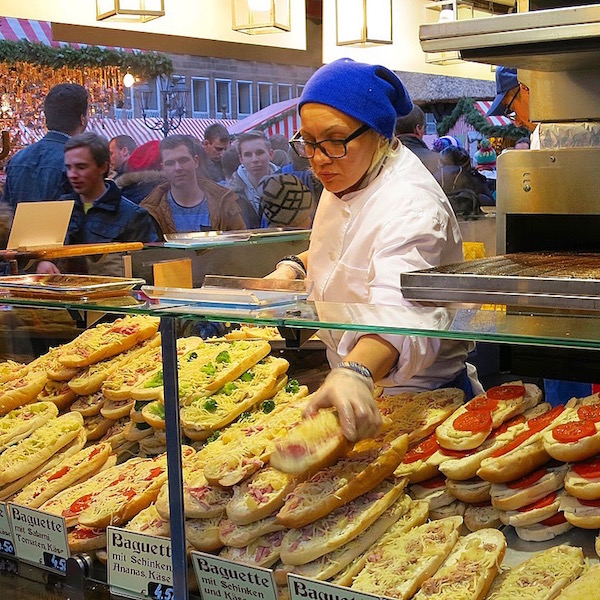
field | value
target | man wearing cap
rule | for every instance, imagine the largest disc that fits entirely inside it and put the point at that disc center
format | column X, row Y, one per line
column 381, row 214
column 512, row 98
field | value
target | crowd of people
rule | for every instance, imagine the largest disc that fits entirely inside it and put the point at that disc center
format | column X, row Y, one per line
column 129, row 192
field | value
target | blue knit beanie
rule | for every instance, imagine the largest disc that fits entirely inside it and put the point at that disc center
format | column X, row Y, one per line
column 370, row 93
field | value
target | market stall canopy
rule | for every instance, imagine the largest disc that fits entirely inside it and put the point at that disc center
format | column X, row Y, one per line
column 281, row 117
column 500, row 121
column 37, row 32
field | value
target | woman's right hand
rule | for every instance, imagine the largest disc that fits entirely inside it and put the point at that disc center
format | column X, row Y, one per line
column 352, row 395
column 282, row 272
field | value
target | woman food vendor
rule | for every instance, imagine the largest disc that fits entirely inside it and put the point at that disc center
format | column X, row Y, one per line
column 381, row 213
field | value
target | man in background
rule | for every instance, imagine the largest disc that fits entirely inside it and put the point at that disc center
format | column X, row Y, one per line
column 522, row 144
column 102, row 214
column 216, row 141
column 121, row 147
column 255, row 163
column 410, row 131
column 37, row 172
column 189, row 200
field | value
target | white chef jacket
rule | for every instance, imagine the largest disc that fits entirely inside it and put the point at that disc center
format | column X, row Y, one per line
column 360, row 243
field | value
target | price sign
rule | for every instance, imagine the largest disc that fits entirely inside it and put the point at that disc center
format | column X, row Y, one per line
column 139, row 565
column 302, row 588
column 219, row 578
column 39, row 538
column 7, row 545
column 159, row 591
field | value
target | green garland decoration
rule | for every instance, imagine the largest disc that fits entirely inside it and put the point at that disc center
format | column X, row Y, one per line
column 466, row 107
column 146, row 65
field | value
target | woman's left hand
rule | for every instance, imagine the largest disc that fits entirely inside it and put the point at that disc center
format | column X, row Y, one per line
column 352, row 395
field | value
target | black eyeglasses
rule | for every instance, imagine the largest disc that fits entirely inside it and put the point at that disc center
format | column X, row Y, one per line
column 330, row 148
column 507, row 109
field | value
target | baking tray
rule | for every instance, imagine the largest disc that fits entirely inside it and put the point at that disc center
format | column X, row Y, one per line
column 546, row 279
column 67, row 287
column 198, row 239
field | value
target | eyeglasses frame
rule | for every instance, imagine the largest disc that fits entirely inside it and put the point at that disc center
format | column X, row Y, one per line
column 314, row 145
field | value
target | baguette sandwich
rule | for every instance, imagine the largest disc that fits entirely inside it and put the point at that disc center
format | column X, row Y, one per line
column 584, row 514
column 545, row 530
column 542, row 576
column 470, row 425
column 22, row 422
column 469, row 570
column 542, row 509
column 583, row 479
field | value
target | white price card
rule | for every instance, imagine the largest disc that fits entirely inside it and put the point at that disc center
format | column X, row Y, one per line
column 302, row 588
column 222, row 579
column 7, row 545
column 139, row 565
column 39, row 538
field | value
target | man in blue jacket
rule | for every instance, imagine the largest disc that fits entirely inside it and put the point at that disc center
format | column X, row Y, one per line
column 37, row 172
column 101, row 213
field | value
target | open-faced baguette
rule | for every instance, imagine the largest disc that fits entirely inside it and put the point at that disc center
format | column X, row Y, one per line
column 398, row 564
column 530, row 488
column 339, row 527
column 207, row 370
column 9, row 370
column 66, row 473
column 261, row 495
column 540, row 577
column 21, row 390
column 403, row 515
column 469, row 570
column 118, row 503
column 90, row 379
column 315, row 443
column 525, row 452
column 579, row 437
column 86, row 539
column 339, row 484
column 74, row 446
column 107, row 339
column 461, row 465
column 203, row 534
column 89, row 406
column 31, row 452
column 201, row 500
column 57, row 392
column 585, row 586
column 204, row 415
column 150, row 522
column 21, row 422
column 262, row 552
column 238, row 536
column 470, row 425
column 583, row 479
column 70, row 502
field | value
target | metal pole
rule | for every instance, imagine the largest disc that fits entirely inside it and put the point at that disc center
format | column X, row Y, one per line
column 174, row 463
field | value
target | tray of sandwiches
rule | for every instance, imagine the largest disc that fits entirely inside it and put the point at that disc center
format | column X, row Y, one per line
column 67, row 287
column 544, row 279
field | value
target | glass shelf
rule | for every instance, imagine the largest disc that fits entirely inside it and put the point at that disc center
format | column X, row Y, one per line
column 487, row 323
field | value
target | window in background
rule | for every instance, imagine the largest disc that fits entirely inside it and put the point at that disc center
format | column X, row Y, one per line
column 265, row 95
column 284, row 91
column 223, row 96
column 200, row 100
column 299, row 89
column 430, row 124
column 244, row 99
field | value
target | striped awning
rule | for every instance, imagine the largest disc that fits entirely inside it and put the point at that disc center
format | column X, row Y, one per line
column 110, row 128
column 500, row 121
column 37, row 32
column 281, row 117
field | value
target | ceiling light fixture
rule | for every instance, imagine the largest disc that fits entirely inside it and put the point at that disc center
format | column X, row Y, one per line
column 261, row 16
column 363, row 22
column 129, row 10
